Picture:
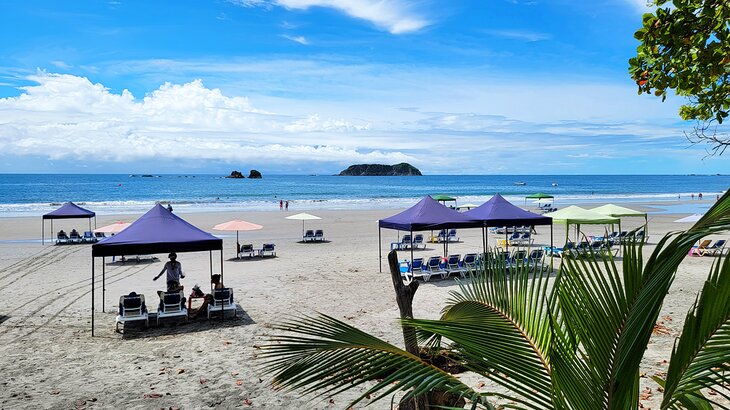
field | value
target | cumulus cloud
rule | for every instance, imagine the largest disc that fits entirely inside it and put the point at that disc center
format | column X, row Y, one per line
column 65, row 116
column 395, row 16
column 72, row 119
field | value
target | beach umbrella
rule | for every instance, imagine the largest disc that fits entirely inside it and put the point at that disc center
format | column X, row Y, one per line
column 691, row 218
column 116, row 227
column 303, row 217
column 237, row 225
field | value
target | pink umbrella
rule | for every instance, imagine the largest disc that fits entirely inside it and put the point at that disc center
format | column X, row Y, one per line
column 237, row 225
column 116, row 227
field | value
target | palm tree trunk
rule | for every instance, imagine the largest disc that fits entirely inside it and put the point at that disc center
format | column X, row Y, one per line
column 404, row 296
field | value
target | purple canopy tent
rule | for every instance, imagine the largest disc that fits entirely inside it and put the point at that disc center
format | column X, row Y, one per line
column 157, row 231
column 68, row 210
column 425, row 215
column 500, row 212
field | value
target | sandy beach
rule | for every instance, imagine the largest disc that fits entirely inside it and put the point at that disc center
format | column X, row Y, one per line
column 50, row 360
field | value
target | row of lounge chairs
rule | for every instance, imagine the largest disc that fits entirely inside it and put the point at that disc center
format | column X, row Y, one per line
column 313, row 236
column 597, row 245
column 75, row 238
column 417, row 241
column 707, row 248
column 132, row 307
column 248, row 251
column 510, row 229
column 437, row 266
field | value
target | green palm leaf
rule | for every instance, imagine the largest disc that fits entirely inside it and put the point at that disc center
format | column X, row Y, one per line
column 321, row 353
column 498, row 322
column 611, row 315
column 701, row 356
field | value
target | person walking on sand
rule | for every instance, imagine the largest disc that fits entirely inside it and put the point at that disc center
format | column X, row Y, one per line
column 281, row 204
column 693, row 197
column 169, row 207
column 174, row 273
column 700, row 196
column 287, row 205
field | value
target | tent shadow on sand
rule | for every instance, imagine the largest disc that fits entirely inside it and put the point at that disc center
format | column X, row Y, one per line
column 314, row 242
column 136, row 330
column 134, row 261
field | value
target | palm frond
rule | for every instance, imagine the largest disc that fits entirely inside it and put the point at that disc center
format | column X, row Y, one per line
column 323, row 354
column 498, row 322
column 701, row 356
column 611, row 315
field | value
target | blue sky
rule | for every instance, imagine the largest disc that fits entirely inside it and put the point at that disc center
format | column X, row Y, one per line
column 311, row 86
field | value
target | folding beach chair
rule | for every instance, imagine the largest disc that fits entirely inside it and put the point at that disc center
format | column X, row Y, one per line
column 319, row 235
column 452, row 236
column 433, row 266
column 222, row 302
column 132, row 309
column 454, row 266
column 418, row 242
column 172, row 304
column 700, row 249
column 89, row 237
column 308, row 236
column 62, row 238
column 268, row 249
column 247, row 251
column 717, row 248
column 414, row 270
column 74, row 237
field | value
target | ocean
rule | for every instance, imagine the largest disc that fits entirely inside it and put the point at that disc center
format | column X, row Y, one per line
column 35, row 194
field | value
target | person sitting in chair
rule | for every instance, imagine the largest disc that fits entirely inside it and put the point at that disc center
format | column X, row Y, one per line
column 215, row 280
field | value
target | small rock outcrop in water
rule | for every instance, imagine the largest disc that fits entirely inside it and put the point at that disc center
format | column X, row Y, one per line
column 402, row 169
column 236, row 174
column 254, row 174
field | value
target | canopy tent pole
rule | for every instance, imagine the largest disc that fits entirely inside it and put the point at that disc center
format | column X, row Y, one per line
column 211, row 271
column 103, row 281
column 211, row 268
column 484, row 239
column 551, row 247
column 43, row 231
column 90, row 224
column 646, row 226
column 411, row 247
column 92, row 296
column 380, row 249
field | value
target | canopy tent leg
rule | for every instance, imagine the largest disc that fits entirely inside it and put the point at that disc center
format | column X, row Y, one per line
column 90, row 224
column 211, row 268
column 484, row 240
column 43, row 231
column 92, row 296
column 238, row 250
column 103, row 281
column 411, row 247
column 380, row 250
column 552, row 247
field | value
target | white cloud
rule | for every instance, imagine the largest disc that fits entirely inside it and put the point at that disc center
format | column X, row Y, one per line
column 522, row 35
column 69, row 117
column 297, row 39
column 485, row 123
column 395, row 16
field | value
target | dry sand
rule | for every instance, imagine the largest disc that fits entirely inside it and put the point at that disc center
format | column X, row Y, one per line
column 49, row 359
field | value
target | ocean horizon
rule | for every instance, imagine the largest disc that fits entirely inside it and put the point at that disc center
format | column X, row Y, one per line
column 35, row 194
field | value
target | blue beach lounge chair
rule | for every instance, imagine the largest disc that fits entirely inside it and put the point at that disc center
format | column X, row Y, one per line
column 172, row 304
column 222, row 302
column 433, row 266
column 268, row 249
column 132, row 309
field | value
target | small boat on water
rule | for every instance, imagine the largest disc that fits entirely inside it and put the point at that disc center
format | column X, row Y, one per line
column 520, row 183
column 554, row 184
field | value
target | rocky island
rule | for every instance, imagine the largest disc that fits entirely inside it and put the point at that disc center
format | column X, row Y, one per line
column 254, row 174
column 402, row 169
column 236, row 175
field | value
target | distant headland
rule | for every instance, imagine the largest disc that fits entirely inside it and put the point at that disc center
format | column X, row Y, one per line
column 380, row 170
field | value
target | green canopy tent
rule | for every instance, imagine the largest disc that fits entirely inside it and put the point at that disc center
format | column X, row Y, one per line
column 444, row 199
column 538, row 196
column 619, row 211
column 575, row 215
